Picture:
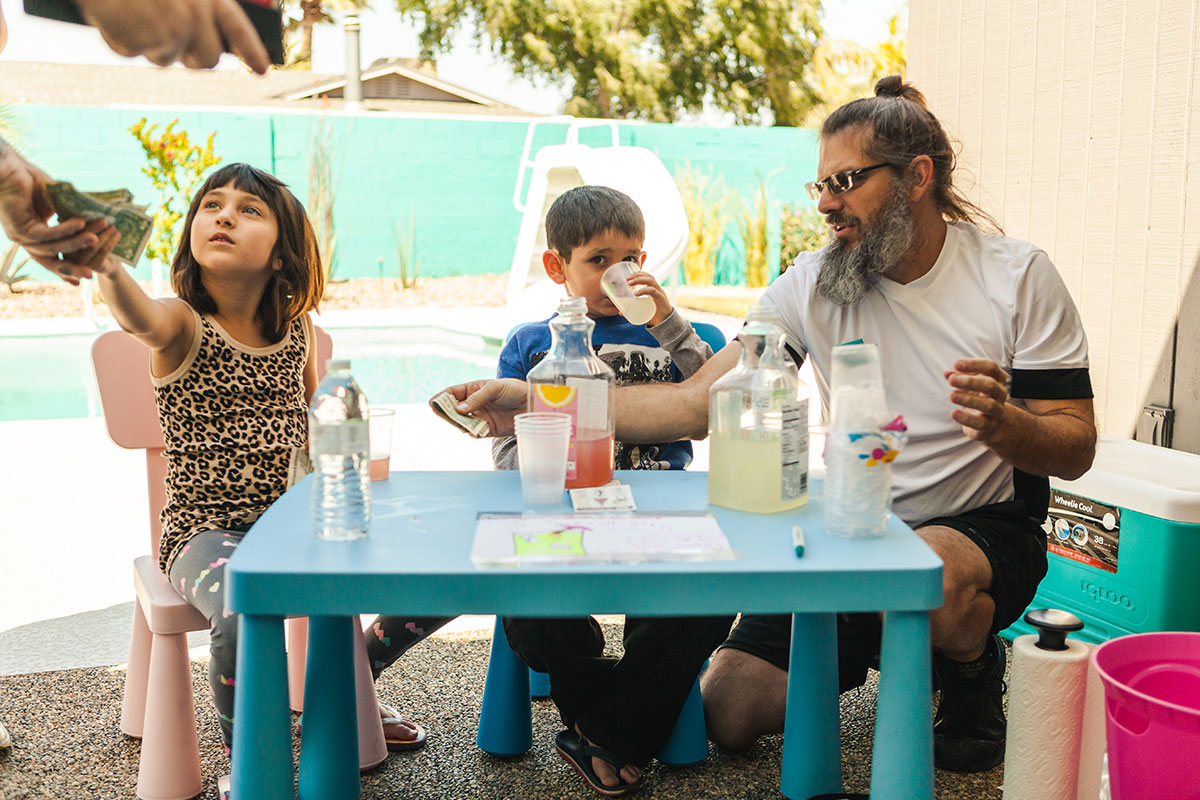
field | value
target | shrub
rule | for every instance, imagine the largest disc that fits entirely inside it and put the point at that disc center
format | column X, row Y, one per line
column 803, row 231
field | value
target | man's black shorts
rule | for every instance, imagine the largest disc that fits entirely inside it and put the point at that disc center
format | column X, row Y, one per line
column 1015, row 546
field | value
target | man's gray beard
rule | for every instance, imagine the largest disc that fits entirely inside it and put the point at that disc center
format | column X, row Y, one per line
column 848, row 273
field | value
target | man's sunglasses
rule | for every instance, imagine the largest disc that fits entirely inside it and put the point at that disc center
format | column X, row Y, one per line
column 839, row 182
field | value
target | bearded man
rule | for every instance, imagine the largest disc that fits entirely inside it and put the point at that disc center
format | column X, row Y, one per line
column 983, row 353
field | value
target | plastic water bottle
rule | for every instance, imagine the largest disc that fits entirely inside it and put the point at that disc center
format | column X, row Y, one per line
column 857, row 495
column 338, row 443
column 859, row 448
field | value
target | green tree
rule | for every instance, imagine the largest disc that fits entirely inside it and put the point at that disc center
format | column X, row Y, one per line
column 843, row 70
column 175, row 166
column 300, row 17
column 646, row 59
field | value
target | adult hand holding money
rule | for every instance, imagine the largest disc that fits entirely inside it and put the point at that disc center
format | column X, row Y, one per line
column 24, row 211
column 114, row 207
column 444, row 406
column 494, row 401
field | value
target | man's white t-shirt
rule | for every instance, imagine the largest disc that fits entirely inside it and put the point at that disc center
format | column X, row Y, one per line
column 986, row 296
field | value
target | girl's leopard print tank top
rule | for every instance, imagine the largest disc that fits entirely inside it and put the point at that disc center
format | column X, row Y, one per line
column 231, row 415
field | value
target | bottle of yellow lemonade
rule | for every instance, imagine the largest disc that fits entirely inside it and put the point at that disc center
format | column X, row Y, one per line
column 758, row 425
column 572, row 379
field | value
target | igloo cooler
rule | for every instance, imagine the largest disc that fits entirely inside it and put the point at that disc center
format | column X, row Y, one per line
column 1123, row 543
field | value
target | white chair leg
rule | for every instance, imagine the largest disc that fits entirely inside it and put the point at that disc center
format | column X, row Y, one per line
column 169, row 767
column 296, row 633
column 133, row 704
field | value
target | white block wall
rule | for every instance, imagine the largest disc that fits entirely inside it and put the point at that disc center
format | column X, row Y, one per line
column 1080, row 129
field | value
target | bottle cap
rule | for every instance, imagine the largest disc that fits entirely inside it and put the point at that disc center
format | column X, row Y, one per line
column 337, row 365
column 763, row 313
column 572, row 305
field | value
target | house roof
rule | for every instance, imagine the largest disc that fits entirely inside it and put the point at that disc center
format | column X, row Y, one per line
column 400, row 85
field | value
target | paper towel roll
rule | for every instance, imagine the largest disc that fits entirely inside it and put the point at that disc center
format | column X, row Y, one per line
column 1045, row 720
column 1092, row 746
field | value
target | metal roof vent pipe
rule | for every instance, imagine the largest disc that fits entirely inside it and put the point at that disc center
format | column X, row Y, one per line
column 353, row 93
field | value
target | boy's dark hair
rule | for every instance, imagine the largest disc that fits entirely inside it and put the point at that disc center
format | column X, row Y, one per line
column 585, row 212
column 898, row 126
column 295, row 288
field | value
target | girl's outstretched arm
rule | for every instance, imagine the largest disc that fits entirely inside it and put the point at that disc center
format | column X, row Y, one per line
column 159, row 324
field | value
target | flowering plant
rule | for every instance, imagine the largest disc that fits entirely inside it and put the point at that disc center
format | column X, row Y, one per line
column 175, row 166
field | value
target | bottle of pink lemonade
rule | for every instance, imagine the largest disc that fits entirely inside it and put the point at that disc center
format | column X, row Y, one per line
column 572, row 379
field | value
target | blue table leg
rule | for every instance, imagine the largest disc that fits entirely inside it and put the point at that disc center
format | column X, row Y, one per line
column 262, row 742
column 902, row 764
column 329, row 742
column 812, row 748
column 505, row 719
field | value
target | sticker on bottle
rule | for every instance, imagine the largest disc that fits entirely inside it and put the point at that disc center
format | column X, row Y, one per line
column 794, row 450
column 346, row 438
column 585, row 401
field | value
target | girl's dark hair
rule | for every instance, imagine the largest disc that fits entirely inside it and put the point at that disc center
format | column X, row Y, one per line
column 899, row 127
column 295, row 288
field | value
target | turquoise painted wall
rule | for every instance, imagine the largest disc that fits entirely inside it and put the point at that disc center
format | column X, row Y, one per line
column 455, row 177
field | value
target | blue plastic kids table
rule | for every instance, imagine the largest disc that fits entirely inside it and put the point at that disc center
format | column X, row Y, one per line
column 416, row 560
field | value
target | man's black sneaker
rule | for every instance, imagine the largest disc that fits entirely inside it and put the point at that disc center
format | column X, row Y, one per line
column 969, row 728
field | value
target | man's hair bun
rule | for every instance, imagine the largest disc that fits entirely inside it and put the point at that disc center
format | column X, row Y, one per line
column 894, row 86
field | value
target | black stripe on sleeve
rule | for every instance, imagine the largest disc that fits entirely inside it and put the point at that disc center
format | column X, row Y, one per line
column 1052, row 384
column 796, row 357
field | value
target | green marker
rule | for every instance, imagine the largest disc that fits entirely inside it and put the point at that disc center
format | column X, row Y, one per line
column 798, row 540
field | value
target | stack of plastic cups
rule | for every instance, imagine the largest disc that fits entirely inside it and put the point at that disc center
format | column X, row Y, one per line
column 857, row 484
column 542, row 439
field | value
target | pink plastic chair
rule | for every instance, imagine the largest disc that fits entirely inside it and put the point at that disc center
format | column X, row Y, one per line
column 158, row 706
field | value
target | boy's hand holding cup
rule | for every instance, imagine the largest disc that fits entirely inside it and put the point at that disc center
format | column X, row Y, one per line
column 635, row 293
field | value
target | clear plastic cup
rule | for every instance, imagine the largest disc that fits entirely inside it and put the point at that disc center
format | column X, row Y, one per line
column 380, row 438
column 542, row 438
column 615, row 283
column 856, row 387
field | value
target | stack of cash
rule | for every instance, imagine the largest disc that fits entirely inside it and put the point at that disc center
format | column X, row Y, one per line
column 116, row 207
column 444, row 406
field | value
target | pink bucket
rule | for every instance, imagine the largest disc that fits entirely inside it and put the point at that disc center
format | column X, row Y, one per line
column 1152, row 706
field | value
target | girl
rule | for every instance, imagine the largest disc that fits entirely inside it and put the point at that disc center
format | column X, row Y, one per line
column 234, row 367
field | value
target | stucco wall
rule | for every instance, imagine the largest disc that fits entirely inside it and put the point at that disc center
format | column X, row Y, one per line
column 1080, row 130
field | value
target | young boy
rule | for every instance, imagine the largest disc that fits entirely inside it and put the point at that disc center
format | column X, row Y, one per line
column 618, row 712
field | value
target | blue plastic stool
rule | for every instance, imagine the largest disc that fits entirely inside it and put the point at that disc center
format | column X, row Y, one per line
column 506, row 723
column 505, row 720
column 539, row 684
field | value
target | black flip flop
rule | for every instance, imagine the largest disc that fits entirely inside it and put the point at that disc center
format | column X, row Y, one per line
column 576, row 752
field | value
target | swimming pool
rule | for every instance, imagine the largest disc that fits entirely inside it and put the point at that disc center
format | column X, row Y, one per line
column 50, row 377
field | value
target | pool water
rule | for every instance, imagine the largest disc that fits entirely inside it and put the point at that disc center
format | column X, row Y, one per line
column 50, row 377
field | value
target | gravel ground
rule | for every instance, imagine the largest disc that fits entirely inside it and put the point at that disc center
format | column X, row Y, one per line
column 67, row 743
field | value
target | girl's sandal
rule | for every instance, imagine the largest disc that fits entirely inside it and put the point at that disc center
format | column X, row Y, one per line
column 578, row 753
column 391, row 716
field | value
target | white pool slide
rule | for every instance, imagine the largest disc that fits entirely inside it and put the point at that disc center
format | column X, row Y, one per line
column 555, row 169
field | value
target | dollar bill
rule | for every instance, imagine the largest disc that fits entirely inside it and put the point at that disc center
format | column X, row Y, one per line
column 115, row 207
column 112, row 196
column 444, row 406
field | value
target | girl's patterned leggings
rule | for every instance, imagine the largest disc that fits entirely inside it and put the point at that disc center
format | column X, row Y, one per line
column 198, row 572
